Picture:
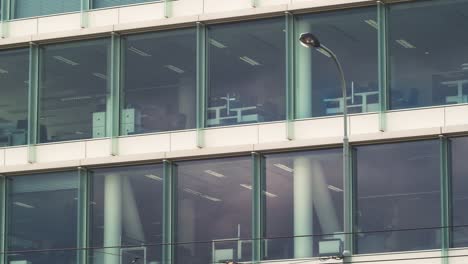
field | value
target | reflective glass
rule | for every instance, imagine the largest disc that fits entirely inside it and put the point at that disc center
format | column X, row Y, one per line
column 214, row 208
column 14, row 76
column 246, row 72
column 352, row 36
column 109, row 3
column 304, row 202
column 459, row 152
column 427, row 56
column 398, row 197
column 73, row 90
column 126, row 210
column 159, row 82
column 42, row 217
column 30, row 8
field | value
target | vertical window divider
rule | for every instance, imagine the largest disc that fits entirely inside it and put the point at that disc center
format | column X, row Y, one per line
column 258, row 206
column 289, row 38
column 5, row 6
column 383, row 69
column 445, row 197
column 3, row 204
column 167, row 8
column 83, row 215
column 113, row 105
column 169, row 209
column 201, row 83
column 254, row 3
column 348, row 194
column 33, row 97
column 84, row 13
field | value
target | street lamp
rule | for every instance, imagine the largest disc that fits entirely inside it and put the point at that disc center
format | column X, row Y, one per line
column 309, row 40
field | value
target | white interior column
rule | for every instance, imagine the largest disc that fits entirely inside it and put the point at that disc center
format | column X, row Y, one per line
column 187, row 104
column 112, row 218
column 303, row 209
column 131, row 219
column 187, row 221
column 303, row 67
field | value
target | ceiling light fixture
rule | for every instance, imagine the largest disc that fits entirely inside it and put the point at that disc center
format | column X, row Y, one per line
column 283, row 167
column 174, row 68
column 65, row 60
column 405, row 44
column 2, row 71
column 139, row 52
column 23, row 205
column 217, row 44
column 372, row 23
column 250, row 61
column 214, row 173
column 154, row 177
column 334, row 188
column 268, row 194
column 199, row 194
column 100, row 75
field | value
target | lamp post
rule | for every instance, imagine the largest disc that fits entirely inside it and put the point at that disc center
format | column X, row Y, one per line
column 308, row 40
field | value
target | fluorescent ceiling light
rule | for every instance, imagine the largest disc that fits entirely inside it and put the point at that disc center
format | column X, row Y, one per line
column 199, row 194
column 217, row 44
column 174, row 68
column 154, row 177
column 405, row 44
column 75, row 98
column 65, row 60
column 139, row 52
column 246, row 186
column 334, row 188
column 250, row 61
column 23, row 205
column 2, row 71
column 214, row 173
column 268, row 194
column 372, row 23
column 100, row 75
column 283, row 167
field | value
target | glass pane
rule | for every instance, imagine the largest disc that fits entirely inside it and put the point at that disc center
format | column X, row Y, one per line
column 159, row 82
column 398, row 197
column 246, row 72
column 14, row 76
column 43, row 215
column 428, row 70
column 304, row 199
column 214, row 205
column 459, row 147
column 126, row 210
column 73, row 90
column 109, row 3
column 352, row 36
column 30, row 8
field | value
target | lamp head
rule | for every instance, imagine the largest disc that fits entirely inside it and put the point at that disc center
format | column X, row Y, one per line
column 308, row 40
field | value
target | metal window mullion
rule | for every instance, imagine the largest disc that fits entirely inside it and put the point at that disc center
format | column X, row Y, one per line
column 169, row 185
column 289, row 38
column 33, row 98
column 167, row 8
column 445, row 197
column 83, row 216
column 254, row 3
column 383, row 63
column 5, row 17
column 3, row 219
column 258, row 206
column 113, row 107
column 84, row 13
column 348, row 202
column 201, row 82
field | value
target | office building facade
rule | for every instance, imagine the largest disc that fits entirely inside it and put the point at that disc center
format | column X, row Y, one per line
column 202, row 131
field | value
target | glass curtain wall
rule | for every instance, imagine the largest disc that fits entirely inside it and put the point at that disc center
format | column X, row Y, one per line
column 14, row 80
column 352, row 36
column 126, row 214
column 214, row 210
column 74, row 89
column 159, row 84
column 428, row 57
column 31, row 8
column 42, row 213
column 459, row 195
column 398, row 197
column 304, row 199
column 246, row 72
column 110, row 3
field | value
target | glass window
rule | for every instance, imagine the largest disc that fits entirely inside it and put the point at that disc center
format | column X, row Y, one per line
column 30, row 8
column 126, row 210
column 159, row 82
column 459, row 152
column 398, row 197
column 246, row 72
column 14, row 76
column 304, row 199
column 109, row 3
column 352, row 36
column 214, row 204
column 428, row 70
column 73, row 90
column 42, row 218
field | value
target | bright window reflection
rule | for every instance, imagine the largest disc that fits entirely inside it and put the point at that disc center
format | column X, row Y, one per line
column 30, row 8
column 159, row 82
column 428, row 70
column 352, row 36
column 214, row 201
column 43, row 215
column 246, row 72
column 73, row 90
column 126, row 208
column 304, row 199
column 14, row 70
column 398, row 187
